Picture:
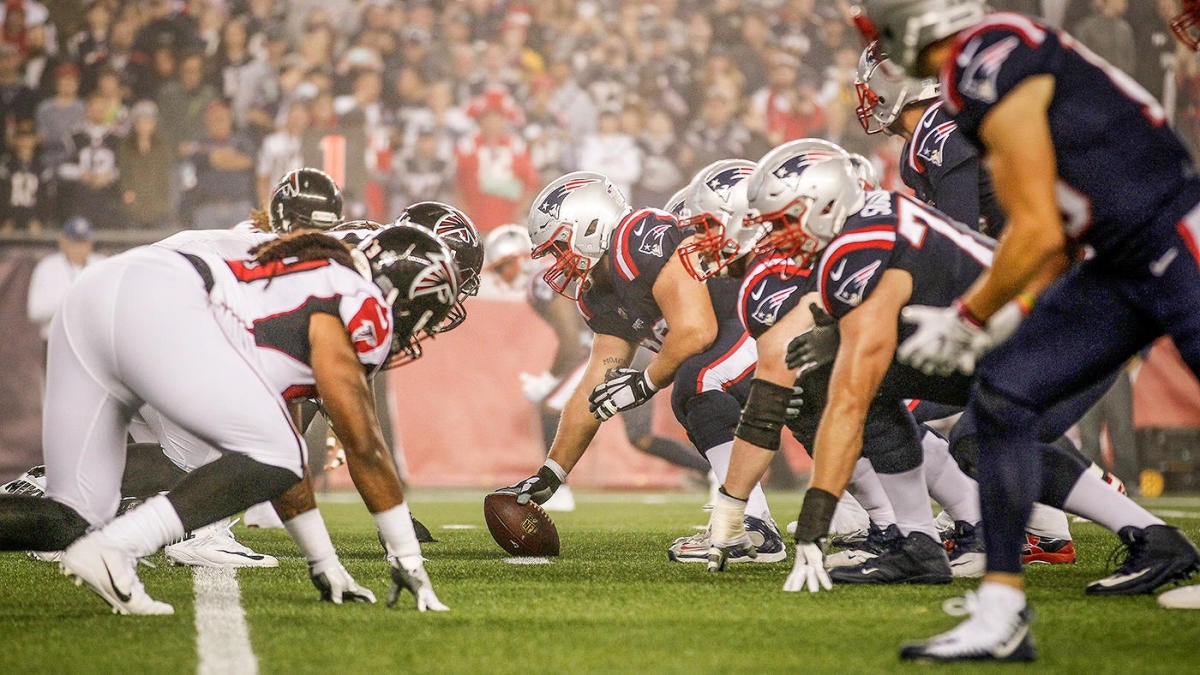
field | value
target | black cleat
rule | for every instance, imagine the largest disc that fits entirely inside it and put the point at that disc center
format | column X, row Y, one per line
column 976, row 640
column 915, row 559
column 1154, row 556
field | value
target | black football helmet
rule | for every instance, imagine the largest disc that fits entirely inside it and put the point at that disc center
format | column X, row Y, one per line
column 304, row 198
column 457, row 231
column 352, row 232
column 418, row 277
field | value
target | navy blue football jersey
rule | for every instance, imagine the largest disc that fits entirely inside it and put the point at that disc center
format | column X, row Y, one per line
column 895, row 231
column 1121, row 167
column 772, row 287
column 944, row 170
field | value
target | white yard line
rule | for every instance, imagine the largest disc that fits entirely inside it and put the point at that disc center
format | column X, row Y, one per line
column 222, row 640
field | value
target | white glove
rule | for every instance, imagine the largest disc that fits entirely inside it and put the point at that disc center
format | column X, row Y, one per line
column 337, row 586
column 537, row 387
column 622, row 389
column 727, row 532
column 408, row 572
column 808, row 570
column 947, row 339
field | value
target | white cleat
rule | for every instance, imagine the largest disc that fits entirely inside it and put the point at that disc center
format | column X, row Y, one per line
column 1187, row 597
column 111, row 573
column 979, row 638
column 45, row 556
column 563, row 500
column 214, row 546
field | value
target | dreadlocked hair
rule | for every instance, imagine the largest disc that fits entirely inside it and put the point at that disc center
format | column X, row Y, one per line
column 302, row 247
column 260, row 219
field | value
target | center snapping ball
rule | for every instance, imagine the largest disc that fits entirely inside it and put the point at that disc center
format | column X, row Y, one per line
column 520, row 529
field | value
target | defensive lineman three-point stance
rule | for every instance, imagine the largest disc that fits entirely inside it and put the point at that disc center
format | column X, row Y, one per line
column 1080, row 156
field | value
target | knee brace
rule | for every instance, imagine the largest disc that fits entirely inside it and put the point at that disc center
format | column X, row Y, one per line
column 761, row 420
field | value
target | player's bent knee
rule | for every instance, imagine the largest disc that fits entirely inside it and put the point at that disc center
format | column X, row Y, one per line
column 762, row 418
column 997, row 414
column 710, row 418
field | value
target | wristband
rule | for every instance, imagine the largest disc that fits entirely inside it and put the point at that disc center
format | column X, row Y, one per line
column 815, row 515
column 967, row 315
column 1024, row 302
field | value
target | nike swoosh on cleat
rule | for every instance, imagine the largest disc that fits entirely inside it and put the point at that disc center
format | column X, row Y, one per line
column 869, row 570
column 123, row 597
column 1006, row 648
column 1107, row 582
column 252, row 556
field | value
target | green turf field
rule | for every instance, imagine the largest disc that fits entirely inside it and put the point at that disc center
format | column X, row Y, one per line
column 611, row 603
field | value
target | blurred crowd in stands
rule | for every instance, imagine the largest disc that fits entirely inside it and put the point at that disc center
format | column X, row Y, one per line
column 161, row 114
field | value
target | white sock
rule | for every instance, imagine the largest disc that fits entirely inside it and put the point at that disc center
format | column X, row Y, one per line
column 396, row 529
column 947, row 484
column 869, row 492
column 309, row 532
column 718, row 457
column 849, row 516
column 1095, row 500
column 1000, row 600
column 910, row 501
column 146, row 528
column 1048, row 523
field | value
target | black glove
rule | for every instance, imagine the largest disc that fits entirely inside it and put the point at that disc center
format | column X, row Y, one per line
column 622, row 389
column 816, row 346
column 539, row 487
column 795, row 404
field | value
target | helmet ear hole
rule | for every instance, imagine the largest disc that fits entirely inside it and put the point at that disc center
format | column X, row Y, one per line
column 591, row 228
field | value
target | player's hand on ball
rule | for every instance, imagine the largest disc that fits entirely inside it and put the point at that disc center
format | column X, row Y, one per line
column 808, row 572
column 622, row 389
column 337, row 586
column 408, row 573
column 947, row 340
column 537, row 488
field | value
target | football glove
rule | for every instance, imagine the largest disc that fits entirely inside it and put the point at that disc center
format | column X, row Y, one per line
column 622, row 389
column 408, row 572
column 537, row 387
column 337, row 586
column 808, row 572
column 727, row 532
column 816, row 346
column 947, row 339
column 795, row 404
column 538, row 488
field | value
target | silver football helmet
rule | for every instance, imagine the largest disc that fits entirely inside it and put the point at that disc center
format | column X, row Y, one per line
column 573, row 219
column 676, row 204
column 505, row 242
column 865, row 170
column 803, row 197
column 905, row 27
column 885, row 90
column 716, row 201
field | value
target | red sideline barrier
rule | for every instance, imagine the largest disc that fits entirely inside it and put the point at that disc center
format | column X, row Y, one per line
column 1165, row 394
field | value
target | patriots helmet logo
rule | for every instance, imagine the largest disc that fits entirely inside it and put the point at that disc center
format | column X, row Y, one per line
column 554, row 201
column 853, row 290
column 722, row 182
column 789, row 171
column 768, row 308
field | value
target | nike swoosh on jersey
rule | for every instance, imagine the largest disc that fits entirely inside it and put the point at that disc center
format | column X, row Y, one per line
column 758, row 291
column 836, row 274
column 1159, row 267
column 637, row 231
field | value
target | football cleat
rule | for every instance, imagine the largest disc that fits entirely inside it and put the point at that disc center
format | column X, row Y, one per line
column 562, row 500
column 214, row 546
column 977, row 638
column 968, row 559
column 45, row 556
column 764, row 535
column 877, row 541
column 96, row 562
column 1047, row 551
column 915, row 559
column 1187, row 597
column 1153, row 556
column 262, row 515
column 945, row 525
column 32, row 483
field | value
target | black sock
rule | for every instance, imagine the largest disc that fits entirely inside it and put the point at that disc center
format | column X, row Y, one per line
column 37, row 524
column 222, row 488
column 148, row 471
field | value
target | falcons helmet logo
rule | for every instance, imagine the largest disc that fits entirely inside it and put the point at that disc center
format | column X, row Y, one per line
column 436, row 279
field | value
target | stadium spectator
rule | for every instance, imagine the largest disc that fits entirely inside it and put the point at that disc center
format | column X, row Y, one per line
column 612, row 152
column 339, row 149
column 249, row 84
column 182, row 101
column 40, row 62
column 146, row 161
column 496, row 178
column 662, row 174
column 17, row 101
column 420, row 173
column 716, row 134
column 282, row 151
column 26, row 185
column 54, row 274
column 60, row 116
column 1108, row 34
column 223, row 193
column 89, row 174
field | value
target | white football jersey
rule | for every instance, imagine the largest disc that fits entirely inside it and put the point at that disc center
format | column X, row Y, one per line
column 265, row 309
column 232, row 243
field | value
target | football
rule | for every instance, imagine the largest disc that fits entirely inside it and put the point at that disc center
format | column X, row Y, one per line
column 520, row 529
